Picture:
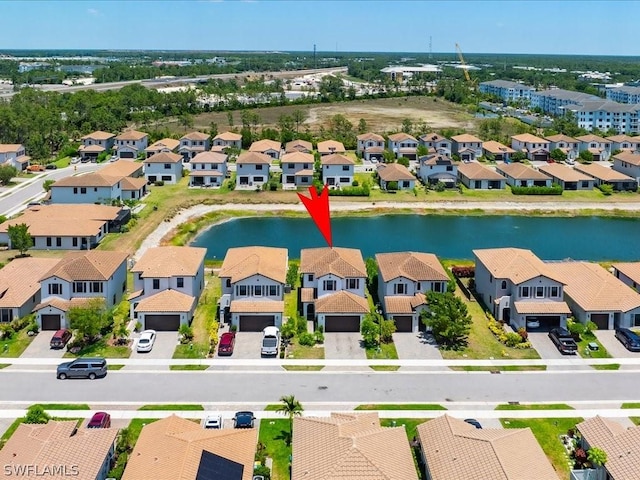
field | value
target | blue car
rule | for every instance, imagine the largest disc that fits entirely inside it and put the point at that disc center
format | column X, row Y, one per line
column 243, row 420
column 629, row 339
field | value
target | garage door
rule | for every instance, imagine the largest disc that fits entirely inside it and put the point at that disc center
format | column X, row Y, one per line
column 50, row 322
column 162, row 323
column 546, row 322
column 126, row 154
column 601, row 319
column 256, row 323
column 347, row 323
column 404, row 323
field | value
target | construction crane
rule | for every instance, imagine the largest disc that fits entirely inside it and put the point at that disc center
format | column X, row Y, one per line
column 464, row 67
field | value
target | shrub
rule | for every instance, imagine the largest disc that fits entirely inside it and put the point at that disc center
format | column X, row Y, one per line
column 213, row 334
column 301, row 325
column 138, row 326
column 36, row 414
column 355, row 183
column 495, row 327
column 262, row 471
column 362, row 191
column 576, row 328
column 234, row 328
column 591, row 327
column 606, row 189
column 159, row 183
column 524, row 335
column 463, row 272
column 392, row 186
column 186, row 333
column 553, row 190
column 33, row 327
column 307, row 339
column 440, row 187
column 19, row 323
column 6, row 332
column 319, row 335
column 512, row 339
column 288, row 329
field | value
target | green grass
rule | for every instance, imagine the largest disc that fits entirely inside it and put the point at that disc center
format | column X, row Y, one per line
column 630, row 405
column 635, row 420
column 583, row 349
column 608, row 366
column 384, row 368
column 4, row 365
column 272, row 407
column 410, row 424
column 178, row 406
column 387, row 352
column 63, row 406
column 16, row 345
column 115, row 367
column 535, row 406
column 303, row 368
column 501, row 368
column 295, row 350
column 547, row 432
column 274, row 434
column 400, row 406
column 101, row 349
column 188, row 367
column 63, row 162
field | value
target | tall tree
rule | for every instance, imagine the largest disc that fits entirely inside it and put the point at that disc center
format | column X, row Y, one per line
column 290, row 407
column 89, row 320
column 448, row 318
column 19, row 237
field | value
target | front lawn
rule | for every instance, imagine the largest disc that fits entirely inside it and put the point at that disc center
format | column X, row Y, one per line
column 178, row 406
column 63, row 406
column 16, row 345
column 134, row 429
column 635, row 420
column 303, row 368
column 295, row 350
column 400, row 406
column 386, row 351
column 630, row 405
column 535, row 406
column 274, row 435
column 203, row 318
column 583, row 347
column 608, row 366
column 500, row 368
column 101, row 349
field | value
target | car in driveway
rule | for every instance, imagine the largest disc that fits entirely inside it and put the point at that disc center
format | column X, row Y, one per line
column 227, row 342
column 533, row 323
column 146, row 341
column 629, row 339
column 35, row 168
column 60, row 338
column 243, row 420
column 90, row 368
column 563, row 341
column 270, row 341
column 51, row 166
column 212, row 420
column 100, row 420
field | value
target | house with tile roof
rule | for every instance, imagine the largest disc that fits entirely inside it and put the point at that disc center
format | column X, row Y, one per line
column 88, row 188
column 329, row 147
column 175, row 448
column 628, row 273
column 133, row 184
column 252, row 170
column 496, row 151
column 397, row 175
column 14, row 155
column 167, row 283
column 627, row 163
column 76, row 278
column 593, row 294
column 474, row 175
column 208, row 169
column 68, row 226
column 192, row 144
column 618, row 442
column 349, row 446
column 163, row 167
column 608, row 176
column 93, row 144
column 568, row 145
column 567, row 177
column 326, row 275
column 297, row 169
column 58, row 450
column 253, row 282
column 370, row 146
column 518, row 287
column 599, row 147
column 521, row 175
column 403, row 145
column 624, row 143
column 403, row 279
column 453, row 449
column 337, row 170
column 131, row 143
column 535, row 148
column 168, row 145
column 298, row 146
column 267, row 147
column 467, row 147
column 437, row 168
column 436, row 142
column 227, row 139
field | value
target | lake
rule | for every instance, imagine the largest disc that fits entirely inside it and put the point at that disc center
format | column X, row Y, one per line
column 448, row 236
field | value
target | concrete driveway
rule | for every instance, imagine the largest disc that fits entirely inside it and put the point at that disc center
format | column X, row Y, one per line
column 343, row 346
column 163, row 347
column 420, row 345
column 612, row 344
column 5, row 423
column 247, row 345
column 544, row 346
column 39, row 347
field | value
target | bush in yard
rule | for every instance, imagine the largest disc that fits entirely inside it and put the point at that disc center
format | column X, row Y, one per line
column 575, row 328
column 524, row 335
column 591, row 327
column 369, row 330
column 448, row 318
column 355, row 183
column 319, row 334
column 301, row 325
column 186, row 333
column 552, row 190
column 512, row 339
column 495, row 327
column 36, row 414
column 392, row 186
column 606, row 189
column 159, row 183
column 33, row 327
column 19, row 323
column 307, row 339
column 292, row 274
column 387, row 329
column 6, row 332
column 463, row 272
column 440, row 187
column 288, row 329
column 263, row 471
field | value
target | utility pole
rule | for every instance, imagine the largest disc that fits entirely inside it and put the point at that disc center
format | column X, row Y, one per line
column 430, row 48
column 315, row 61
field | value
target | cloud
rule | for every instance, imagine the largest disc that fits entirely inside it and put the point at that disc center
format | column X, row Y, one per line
column 93, row 11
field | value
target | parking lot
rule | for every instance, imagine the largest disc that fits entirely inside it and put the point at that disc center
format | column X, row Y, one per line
column 163, row 347
column 39, row 347
column 343, row 346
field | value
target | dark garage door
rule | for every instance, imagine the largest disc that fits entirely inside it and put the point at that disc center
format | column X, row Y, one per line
column 404, row 323
column 126, row 155
column 256, row 323
column 601, row 319
column 546, row 322
column 162, row 323
column 50, row 322
column 346, row 323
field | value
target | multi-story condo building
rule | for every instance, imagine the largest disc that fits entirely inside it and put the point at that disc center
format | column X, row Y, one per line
column 625, row 94
column 606, row 115
column 507, row 90
column 551, row 101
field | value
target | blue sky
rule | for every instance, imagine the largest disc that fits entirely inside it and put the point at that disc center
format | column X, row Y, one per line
column 507, row 26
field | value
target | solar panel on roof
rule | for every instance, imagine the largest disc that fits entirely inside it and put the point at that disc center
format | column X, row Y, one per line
column 215, row 467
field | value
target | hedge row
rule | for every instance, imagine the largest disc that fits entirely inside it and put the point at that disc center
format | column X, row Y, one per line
column 553, row 190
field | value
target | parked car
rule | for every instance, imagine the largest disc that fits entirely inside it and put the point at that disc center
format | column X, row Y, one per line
column 629, row 339
column 85, row 160
column 270, row 341
column 60, row 338
column 243, row 420
column 563, row 341
column 227, row 342
column 473, row 421
column 75, row 160
column 213, row 420
column 146, row 341
column 533, row 323
column 90, row 368
column 51, row 166
column 100, row 420
column 35, row 168
column 34, row 204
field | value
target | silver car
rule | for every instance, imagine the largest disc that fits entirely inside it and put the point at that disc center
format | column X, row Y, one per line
column 146, row 341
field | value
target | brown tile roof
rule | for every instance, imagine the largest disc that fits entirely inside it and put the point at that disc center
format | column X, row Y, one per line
column 476, row 171
column 622, row 138
column 264, row 145
column 433, row 137
column 129, row 184
column 59, row 443
column 196, row 136
column 619, row 443
column 592, row 138
column 304, row 173
column 10, row 147
column 297, row 157
column 91, row 148
column 91, row 265
column 520, row 171
column 342, row 262
column 516, row 264
column 64, row 220
column 253, row 158
column 401, row 136
column 630, row 269
column 330, row 146
column 336, row 159
column 121, row 168
column 561, row 138
column 403, row 304
column 604, row 174
column 171, row 448
column 342, row 302
column 629, row 157
column 528, row 138
column 594, row 289
column 466, row 138
column 306, row 295
column 169, row 143
column 98, row 135
column 87, row 180
column 564, row 173
column 210, row 157
column 170, row 261
column 167, row 301
column 370, row 136
column 243, row 262
column 416, row 266
column 456, row 450
column 496, row 147
column 131, row 135
column 20, row 280
column 228, row 137
column 206, row 173
column 350, row 446
column 256, row 306
column 374, row 149
column 394, row 172
column 64, row 305
column 164, row 157
column 298, row 145
column 438, row 159
column 542, row 308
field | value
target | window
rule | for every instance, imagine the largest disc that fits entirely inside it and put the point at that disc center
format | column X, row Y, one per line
column 257, row 290
column 539, row 292
column 180, row 282
column 503, row 285
column 449, row 168
column 329, row 285
column 490, row 278
column 399, row 289
column 636, row 320
column 228, row 283
column 405, row 184
column 79, row 287
column 74, row 241
column 419, row 287
column 437, row 286
column 554, row 292
column 6, row 315
column 524, row 292
column 167, row 166
column 156, row 283
column 75, row 190
column 58, row 241
column 258, row 179
column 353, row 283
column 273, row 290
column 242, row 291
column 310, row 277
column 258, row 167
column 55, row 289
column 49, row 241
column 290, row 166
column 345, row 168
column 83, row 190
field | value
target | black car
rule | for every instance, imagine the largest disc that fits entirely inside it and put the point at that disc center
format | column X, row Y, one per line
column 51, row 166
column 473, row 421
column 563, row 341
column 629, row 339
column 243, row 420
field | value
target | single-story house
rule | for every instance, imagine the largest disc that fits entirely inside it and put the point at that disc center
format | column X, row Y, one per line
column 628, row 273
column 608, row 176
column 398, row 174
column 520, row 175
column 169, row 145
column 298, row 146
column 267, row 147
column 87, row 188
column 496, row 151
column 567, row 177
column 474, row 175
column 627, row 163
column 123, row 168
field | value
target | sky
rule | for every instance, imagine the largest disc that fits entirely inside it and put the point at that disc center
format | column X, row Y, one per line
column 508, row 26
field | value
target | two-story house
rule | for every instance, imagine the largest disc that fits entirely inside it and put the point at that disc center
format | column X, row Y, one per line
column 333, row 288
column 133, row 184
column 436, row 142
column 520, row 175
column 168, row 145
column 252, row 170
column 627, row 163
column 403, row 145
column 227, row 139
column 77, row 278
column 88, row 188
column 297, row 169
column 165, row 167
column 267, row 147
column 95, row 143
column 535, row 148
column 629, row 274
column 438, row 168
column 466, row 147
column 253, row 282
column 403, row 279
column 599, row 147
column 624, row 143
column 208, row 169
column 337, row 170
column 329, row 147
column 167, row 283
column 519, row 288
column 192, row 144
column 496, row 152
column 14, row 155
column 395, row 176
column 130, row 144
column 564, row 143
column 370, row 146
column 298, row 146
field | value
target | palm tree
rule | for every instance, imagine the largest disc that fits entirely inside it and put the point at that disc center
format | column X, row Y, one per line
column 291, row 408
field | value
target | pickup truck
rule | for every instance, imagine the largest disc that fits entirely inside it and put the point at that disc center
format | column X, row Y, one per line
column 270, row 341
column 563, row 341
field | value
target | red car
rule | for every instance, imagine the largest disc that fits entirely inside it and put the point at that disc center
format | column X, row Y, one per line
column 100, row 420
column 227, row 342
column 60, row 338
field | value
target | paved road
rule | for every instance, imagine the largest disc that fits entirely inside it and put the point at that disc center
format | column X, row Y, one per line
column 177, row 387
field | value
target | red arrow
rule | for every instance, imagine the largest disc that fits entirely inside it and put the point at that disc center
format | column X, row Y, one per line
column 318, row 208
